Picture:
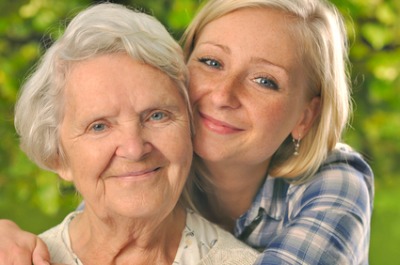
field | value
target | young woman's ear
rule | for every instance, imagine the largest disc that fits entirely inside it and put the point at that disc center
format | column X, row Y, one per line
column 307, row 118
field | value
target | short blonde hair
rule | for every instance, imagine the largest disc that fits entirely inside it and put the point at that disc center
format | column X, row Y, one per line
column 319, row 31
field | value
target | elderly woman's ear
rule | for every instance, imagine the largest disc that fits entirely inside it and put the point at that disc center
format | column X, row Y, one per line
column 64, row 173
column 59, row 166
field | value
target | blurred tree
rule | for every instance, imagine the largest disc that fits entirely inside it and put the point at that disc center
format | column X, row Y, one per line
column 375, row 53
column 26, row 28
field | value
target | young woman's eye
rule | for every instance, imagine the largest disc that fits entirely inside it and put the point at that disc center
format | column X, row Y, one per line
column 210, row 62
column 266, row 82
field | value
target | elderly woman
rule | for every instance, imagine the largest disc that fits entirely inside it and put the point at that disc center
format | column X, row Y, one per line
column 107, row 109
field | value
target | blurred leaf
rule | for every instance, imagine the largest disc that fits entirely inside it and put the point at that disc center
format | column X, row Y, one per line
column 48, row 195
column 377, row 35
column 386, row 14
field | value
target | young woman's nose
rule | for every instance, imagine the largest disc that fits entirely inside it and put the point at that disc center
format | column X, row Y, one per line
column 133, row 144
column 225, row 93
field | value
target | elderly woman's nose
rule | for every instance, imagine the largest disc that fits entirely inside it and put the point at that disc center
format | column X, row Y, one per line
column 132, row 144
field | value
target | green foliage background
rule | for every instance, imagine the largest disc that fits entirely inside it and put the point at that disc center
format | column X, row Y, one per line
column 37, row 200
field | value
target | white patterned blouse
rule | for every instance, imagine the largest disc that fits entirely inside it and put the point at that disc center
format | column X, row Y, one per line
column 202, row 243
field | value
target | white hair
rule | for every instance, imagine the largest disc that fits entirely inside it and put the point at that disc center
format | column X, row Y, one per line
column 100, row 29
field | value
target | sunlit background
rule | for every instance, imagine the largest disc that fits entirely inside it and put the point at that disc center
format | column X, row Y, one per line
column 37, row 200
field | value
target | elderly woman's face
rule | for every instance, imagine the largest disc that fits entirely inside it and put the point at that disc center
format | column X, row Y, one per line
column 126, row 137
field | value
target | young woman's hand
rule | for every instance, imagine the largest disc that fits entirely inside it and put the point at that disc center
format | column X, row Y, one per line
column 19, row 247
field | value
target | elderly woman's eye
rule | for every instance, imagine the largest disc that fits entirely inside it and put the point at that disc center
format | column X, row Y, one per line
column 158, row 116
column 266, row 82
column 98, row 127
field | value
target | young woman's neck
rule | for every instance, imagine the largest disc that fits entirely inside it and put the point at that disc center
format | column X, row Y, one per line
column 233, row 190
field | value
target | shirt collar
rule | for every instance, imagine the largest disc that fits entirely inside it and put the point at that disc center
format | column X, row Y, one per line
column 271, row 198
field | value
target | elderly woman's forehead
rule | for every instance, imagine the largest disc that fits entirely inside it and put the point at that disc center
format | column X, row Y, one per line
column 116, row 69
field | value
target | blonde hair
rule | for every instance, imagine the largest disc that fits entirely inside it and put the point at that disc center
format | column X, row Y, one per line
column 319, row 30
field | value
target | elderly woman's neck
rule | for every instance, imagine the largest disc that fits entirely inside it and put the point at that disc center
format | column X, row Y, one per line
column 123, row 241
column 234, row 188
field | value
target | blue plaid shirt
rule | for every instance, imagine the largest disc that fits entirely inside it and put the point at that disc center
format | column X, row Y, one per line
column 324, row 221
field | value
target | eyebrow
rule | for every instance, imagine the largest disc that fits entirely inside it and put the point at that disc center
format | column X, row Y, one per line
column 222, row 47
column 252, row 59
column 167, row 106
column 265, row 61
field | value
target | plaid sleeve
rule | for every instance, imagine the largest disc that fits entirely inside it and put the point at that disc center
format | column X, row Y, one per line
column 328, row 221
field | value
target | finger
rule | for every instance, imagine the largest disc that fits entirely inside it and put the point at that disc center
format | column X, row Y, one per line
column 40, row 255
column 16, row 246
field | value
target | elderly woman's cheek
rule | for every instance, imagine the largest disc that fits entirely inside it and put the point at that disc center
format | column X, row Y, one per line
column 179, row 146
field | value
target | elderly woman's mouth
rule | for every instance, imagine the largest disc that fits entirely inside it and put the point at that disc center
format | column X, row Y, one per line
column 137, row 174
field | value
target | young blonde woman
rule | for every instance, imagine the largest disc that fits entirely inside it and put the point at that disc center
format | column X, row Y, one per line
column 271, row 97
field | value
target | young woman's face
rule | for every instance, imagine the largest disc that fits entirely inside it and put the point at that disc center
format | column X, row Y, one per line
column 247, row 86
column 126, row 137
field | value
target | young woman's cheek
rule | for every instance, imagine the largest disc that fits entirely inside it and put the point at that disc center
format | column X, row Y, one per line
column 194, row 85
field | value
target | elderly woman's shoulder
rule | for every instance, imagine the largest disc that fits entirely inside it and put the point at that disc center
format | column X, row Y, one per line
column 58, row 241
column 217, row 245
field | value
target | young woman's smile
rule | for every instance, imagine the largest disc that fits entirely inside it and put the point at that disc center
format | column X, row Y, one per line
column 218, row 126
